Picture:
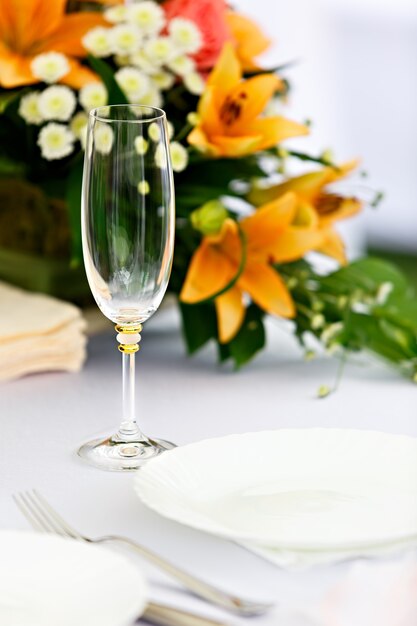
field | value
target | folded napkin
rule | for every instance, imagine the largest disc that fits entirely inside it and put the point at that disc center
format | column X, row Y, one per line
column 38, row 333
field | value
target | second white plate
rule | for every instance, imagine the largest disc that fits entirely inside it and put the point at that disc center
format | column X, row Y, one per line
column 306, row 489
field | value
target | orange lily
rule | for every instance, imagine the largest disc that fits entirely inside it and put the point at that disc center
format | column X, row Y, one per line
column 248, row 38
column 217, row 261
column 229, row 123
column 318, row 209
column 31, row 27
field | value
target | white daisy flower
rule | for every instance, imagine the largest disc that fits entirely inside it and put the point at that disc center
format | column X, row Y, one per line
column 194, row 83
column 56, row 141
column 98, row 41
column 140, row 60
column 93, row 95
column 163, row 80
column 141, row 145
column 179, row 156
column 57, row 103
column 152, row 98
column 78, row 123
column 147, row 16
column 154, row 132
column 193, row 118
column 161, row 160
column 143, row 187
column 185, row 34
column 126, row 39
column 171, row 130
column 160, row 50
column 116, row 14
column 134, row 83
column 103, row 138
column 182, row 65
column 29, row 108
column 50, row 66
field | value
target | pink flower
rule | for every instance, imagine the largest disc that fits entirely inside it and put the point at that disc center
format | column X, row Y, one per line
column 210, row 17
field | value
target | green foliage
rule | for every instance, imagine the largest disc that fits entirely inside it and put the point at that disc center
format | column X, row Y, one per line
column 199, row 324
column 73, row 198
column 103, row 69
column 248, row 341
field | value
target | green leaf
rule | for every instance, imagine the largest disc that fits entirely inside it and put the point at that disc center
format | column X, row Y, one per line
column 250, row 338
column 367, row 274
column 103, row 69
column 199, row 324
column 73, row 198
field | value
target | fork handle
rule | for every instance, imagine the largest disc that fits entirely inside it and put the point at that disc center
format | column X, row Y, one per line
column 162, row 615
column 194, row 584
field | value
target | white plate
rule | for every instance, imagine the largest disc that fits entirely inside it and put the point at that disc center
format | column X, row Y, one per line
column 306, row 489
column 46, row 580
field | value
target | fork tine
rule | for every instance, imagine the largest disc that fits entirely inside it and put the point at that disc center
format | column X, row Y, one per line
column 59, row 523
column 27, row 513
column 34, row 514
column 42, row 514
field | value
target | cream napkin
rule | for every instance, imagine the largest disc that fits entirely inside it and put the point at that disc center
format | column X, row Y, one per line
column 38, row 333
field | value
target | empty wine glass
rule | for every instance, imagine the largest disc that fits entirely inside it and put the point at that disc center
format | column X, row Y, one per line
column 128, row 242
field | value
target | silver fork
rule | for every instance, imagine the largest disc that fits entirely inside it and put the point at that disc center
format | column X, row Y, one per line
column 43, row 517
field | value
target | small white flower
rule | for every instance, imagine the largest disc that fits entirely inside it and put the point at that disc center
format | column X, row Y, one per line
column 141, row 145
column 116, row 14
column 57, row 103
column 103, row 138
column 50, row 66
column 56, row 141
column 126, row 39
column 78, row 123
column 160, row 50
column 93, row 95
column 140, row 60
column 148, row 16
column 29, row 108
column 163, row 80
column 98, row 41
column 154, row 132
column 182, row 65
column 152, row 98
column 161, row 160
column 171, row 131
column 384, row 291
column 330, row 332
column 83, row 136
column 193, row 118
column 133, row 82
column 179, row 156
column 143, row 187
column 194, row 83
column 185, row 34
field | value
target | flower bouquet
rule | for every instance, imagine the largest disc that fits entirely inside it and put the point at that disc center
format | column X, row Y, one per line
column 245, row 226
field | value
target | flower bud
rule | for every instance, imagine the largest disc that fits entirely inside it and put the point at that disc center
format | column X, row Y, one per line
column 209, row 218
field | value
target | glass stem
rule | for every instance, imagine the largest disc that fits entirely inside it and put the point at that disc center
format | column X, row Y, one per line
column 129, row 430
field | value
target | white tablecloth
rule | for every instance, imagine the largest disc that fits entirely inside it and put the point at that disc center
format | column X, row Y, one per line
column 44, row 418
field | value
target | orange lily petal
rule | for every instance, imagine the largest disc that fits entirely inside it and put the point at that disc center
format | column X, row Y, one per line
column 199, row 139
column 227, row 72
column 235, row 146
column 333, row 246
column 230, row 313
column 249, row 39
column 15, row 70
column 79, row 75
column 265, row 226
column 267, row 289
column 211, row 269
column 342, row 170
column 347, row 208
column 251, row 98
column 274, row 130
column 295, row 242
column 67, row 37
column 306, row 186
column 29, row 21
column 209, row 112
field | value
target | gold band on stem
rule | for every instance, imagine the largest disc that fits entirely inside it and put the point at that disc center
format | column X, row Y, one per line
column 128, row 348
column 128, row 330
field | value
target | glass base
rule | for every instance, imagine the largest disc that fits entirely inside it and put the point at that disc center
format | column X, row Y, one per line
column 116, row 455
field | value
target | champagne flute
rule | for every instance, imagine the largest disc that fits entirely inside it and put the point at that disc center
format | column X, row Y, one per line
column 128, row 241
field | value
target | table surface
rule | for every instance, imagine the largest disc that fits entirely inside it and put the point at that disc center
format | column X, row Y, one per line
column 45, row 417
